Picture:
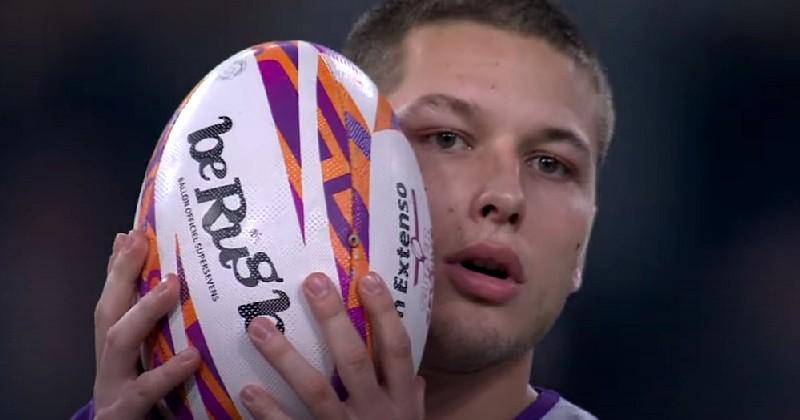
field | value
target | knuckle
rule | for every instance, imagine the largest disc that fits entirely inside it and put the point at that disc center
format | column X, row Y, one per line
column 113, row 339
column 358, row 359
column 127, row 261
column 148, row 302
column 138, row 393
column 329, row 308
column 152, row 307
column 110, row 263
column 318, row 390
column 399, row 346
column 154, row 379
column 386, row 307
column 277, row 349
column 102, row 316
column 117, row 263
column 113, row 262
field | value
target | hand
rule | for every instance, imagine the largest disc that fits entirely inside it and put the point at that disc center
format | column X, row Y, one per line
column 390, row 392
column 120, row 329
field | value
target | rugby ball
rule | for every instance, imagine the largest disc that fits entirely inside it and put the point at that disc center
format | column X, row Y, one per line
column 284, row 160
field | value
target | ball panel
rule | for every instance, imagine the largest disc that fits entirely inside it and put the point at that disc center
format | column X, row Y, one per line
column 270, row 225
column 278, row 65
column 213, row 393
column 397, row 221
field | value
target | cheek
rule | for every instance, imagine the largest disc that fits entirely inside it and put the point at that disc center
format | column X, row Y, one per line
column 446, row 228
column 443, row 198
column 558, row 233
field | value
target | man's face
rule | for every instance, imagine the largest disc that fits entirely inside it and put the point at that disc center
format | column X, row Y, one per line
column 502, row 126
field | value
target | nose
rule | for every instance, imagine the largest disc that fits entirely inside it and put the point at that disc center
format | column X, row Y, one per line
column 501, row 199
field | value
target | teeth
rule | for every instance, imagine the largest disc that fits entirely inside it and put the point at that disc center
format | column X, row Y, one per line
column 487, row 267
column 488, row 264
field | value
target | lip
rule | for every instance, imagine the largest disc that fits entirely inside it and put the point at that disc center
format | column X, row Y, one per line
column 482, row 286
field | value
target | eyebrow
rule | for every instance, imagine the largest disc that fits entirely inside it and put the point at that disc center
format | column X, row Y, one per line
column 564, row 135
column 440, row 101
column 469, row 111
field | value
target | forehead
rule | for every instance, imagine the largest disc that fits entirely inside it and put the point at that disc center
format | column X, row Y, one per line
column 519, row 79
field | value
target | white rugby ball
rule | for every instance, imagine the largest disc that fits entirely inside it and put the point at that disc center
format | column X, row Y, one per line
column 284, row 160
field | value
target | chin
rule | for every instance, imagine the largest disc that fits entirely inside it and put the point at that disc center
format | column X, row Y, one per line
column 467, row 336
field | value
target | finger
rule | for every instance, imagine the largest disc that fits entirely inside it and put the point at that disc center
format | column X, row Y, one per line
column 126, row 336
column 102, row 315
column 419, row 398
column 119, row 241
column 309, row 384
column 349, row 352
column 141, row 395
column 119, row 290
column 389, row 336
column 261, row 405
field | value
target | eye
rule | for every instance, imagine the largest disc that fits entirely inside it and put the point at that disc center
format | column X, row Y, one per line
column 549, row 165
column 448, row 140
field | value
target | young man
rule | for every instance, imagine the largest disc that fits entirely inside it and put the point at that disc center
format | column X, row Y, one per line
column 510, row 116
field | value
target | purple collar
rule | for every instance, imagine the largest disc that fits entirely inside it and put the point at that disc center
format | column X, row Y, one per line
column 541, row 406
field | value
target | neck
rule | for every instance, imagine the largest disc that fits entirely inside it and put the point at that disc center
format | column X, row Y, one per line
column 501, row 391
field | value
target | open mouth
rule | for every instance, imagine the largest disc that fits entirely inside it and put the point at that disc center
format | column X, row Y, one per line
column 487, row 267
column 487, row 272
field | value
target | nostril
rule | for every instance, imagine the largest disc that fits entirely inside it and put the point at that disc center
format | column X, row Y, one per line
column 488, row 209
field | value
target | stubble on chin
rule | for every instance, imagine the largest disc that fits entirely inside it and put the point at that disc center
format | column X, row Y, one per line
column 460, row 346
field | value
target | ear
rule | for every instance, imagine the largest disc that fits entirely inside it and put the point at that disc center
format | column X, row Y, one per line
column 577, row 273
column 580, row 263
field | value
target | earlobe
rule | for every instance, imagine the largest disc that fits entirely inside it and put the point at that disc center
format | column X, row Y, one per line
column 577, row 272
column 577, row 277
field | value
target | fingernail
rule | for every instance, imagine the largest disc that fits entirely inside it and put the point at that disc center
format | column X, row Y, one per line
column 317, row 286
column 187, row 355
column 262, row 329
column 130, row 240
column 123, row 242
column 163, row 287
column 371, row 284
column 249, row 394
column 118, row 240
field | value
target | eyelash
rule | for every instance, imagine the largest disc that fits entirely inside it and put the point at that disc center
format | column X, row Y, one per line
column 564, row 169
column 435, row 136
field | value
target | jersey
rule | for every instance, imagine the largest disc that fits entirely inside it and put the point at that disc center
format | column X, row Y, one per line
column 551, row 406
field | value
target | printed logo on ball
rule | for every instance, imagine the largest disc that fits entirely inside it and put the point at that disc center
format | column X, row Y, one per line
column 217, row 197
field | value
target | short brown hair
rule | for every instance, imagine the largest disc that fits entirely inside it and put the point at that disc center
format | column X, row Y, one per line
column 375, row 42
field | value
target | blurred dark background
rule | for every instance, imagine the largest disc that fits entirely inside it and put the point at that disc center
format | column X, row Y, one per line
column 690, row 303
